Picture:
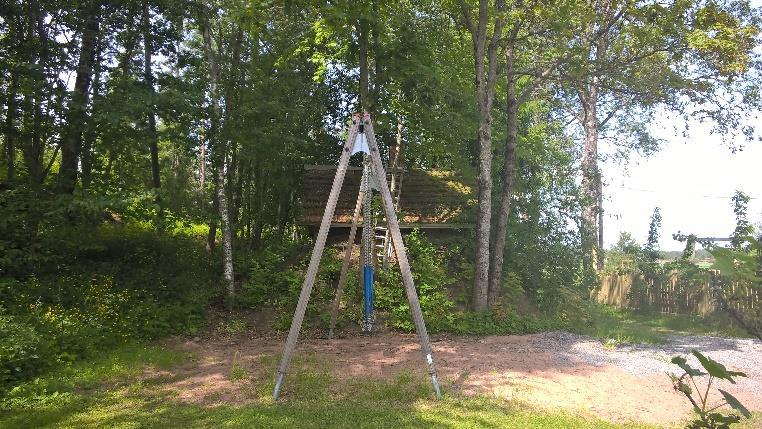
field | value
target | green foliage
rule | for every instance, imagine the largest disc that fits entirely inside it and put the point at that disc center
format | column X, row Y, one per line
column 231, row 326
column 431, row 281
column 94, row 288
column 623, row 256
column 270, row 278
column 739, row 265
column 22, row 350
column 276, row 275
column 708, row 414
column 492, row 323
column 743, row 227
column 651, row 249
column 237, row 370
column 743, row 266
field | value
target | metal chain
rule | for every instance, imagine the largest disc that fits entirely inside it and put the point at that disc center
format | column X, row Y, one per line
column 367, row 232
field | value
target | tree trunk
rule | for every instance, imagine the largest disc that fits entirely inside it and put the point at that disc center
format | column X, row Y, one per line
column 202, row 163
column 600, row 257
column 71, row 143
column 362, row 38
column 220, row 156
column 153, row 145
column 211, row 237
column 258, row 224
column 10, row 131
column 485, row 80
column 590, row 175
column 90, row 132
column 378, row 71
column 229, row 122
column 125, row 59
column 32, row 146
column 227, row 235
column 501, row 227
column 484, row 213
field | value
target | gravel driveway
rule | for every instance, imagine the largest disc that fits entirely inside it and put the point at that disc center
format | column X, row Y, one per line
column 736, row 354
column 551, row 370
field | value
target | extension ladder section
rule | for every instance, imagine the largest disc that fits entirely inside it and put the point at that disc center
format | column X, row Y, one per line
column 383, row 245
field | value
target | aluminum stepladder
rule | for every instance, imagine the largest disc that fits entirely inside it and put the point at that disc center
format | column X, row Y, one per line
column 361, row 124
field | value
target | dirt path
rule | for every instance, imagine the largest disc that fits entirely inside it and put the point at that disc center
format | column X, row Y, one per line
column 553, row 370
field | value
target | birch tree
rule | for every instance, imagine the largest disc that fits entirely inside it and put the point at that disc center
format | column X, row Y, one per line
column 486, row 30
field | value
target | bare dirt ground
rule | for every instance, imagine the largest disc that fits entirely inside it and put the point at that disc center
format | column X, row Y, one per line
column 552, row 370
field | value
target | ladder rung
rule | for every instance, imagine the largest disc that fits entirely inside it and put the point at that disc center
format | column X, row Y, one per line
column 381, row 237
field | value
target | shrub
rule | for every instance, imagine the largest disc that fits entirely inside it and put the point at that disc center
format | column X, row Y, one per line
column 269, row 278
column 108, row 285
column 490, row 323
column 22, row 350
column 430, row 277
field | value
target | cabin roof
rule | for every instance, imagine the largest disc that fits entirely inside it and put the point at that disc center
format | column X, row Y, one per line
column 429, row 199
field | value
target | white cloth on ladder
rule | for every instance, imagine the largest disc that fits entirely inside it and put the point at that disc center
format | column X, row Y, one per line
column 361, row 144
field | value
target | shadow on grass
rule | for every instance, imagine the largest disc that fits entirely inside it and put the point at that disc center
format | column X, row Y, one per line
column 124, row 410
column 311, row 400
column 614, row 326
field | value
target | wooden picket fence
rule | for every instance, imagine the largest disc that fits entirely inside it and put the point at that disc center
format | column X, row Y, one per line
column 673, row 295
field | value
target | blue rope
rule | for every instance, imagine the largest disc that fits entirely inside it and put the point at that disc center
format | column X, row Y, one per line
column 368, row 294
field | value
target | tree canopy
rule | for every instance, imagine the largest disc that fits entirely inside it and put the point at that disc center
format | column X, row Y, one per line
column 206, row 112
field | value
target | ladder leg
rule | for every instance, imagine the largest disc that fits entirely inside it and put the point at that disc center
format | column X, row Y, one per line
column 317, row 252
column 345, row 265
column 399, row 247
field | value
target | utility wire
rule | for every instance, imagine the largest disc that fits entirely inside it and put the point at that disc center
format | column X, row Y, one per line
column 685, row 195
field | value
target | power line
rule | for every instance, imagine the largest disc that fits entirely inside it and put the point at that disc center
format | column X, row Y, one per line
column 684, row 195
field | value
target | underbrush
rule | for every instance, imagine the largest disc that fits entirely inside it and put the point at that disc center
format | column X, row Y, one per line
column 274, row 277
column 84, row 290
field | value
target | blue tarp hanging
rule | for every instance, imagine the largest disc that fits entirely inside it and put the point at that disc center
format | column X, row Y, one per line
column 368, row 294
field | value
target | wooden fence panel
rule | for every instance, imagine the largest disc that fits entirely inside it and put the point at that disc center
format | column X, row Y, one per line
column 671, row 295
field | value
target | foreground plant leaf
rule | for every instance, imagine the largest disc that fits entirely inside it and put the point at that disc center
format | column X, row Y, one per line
column 735, row 403
column 716, row 369
column 683, row 364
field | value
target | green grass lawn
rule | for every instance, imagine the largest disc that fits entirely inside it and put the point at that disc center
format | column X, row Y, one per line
column 114, row 391
column 615, row 326
column 106, row 392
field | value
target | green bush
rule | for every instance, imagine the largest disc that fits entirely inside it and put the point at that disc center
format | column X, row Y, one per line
column 431, row 279
column 269, row 279
column 22, row 350
column 490, row 323
column 101, row 286
column 275, row 277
